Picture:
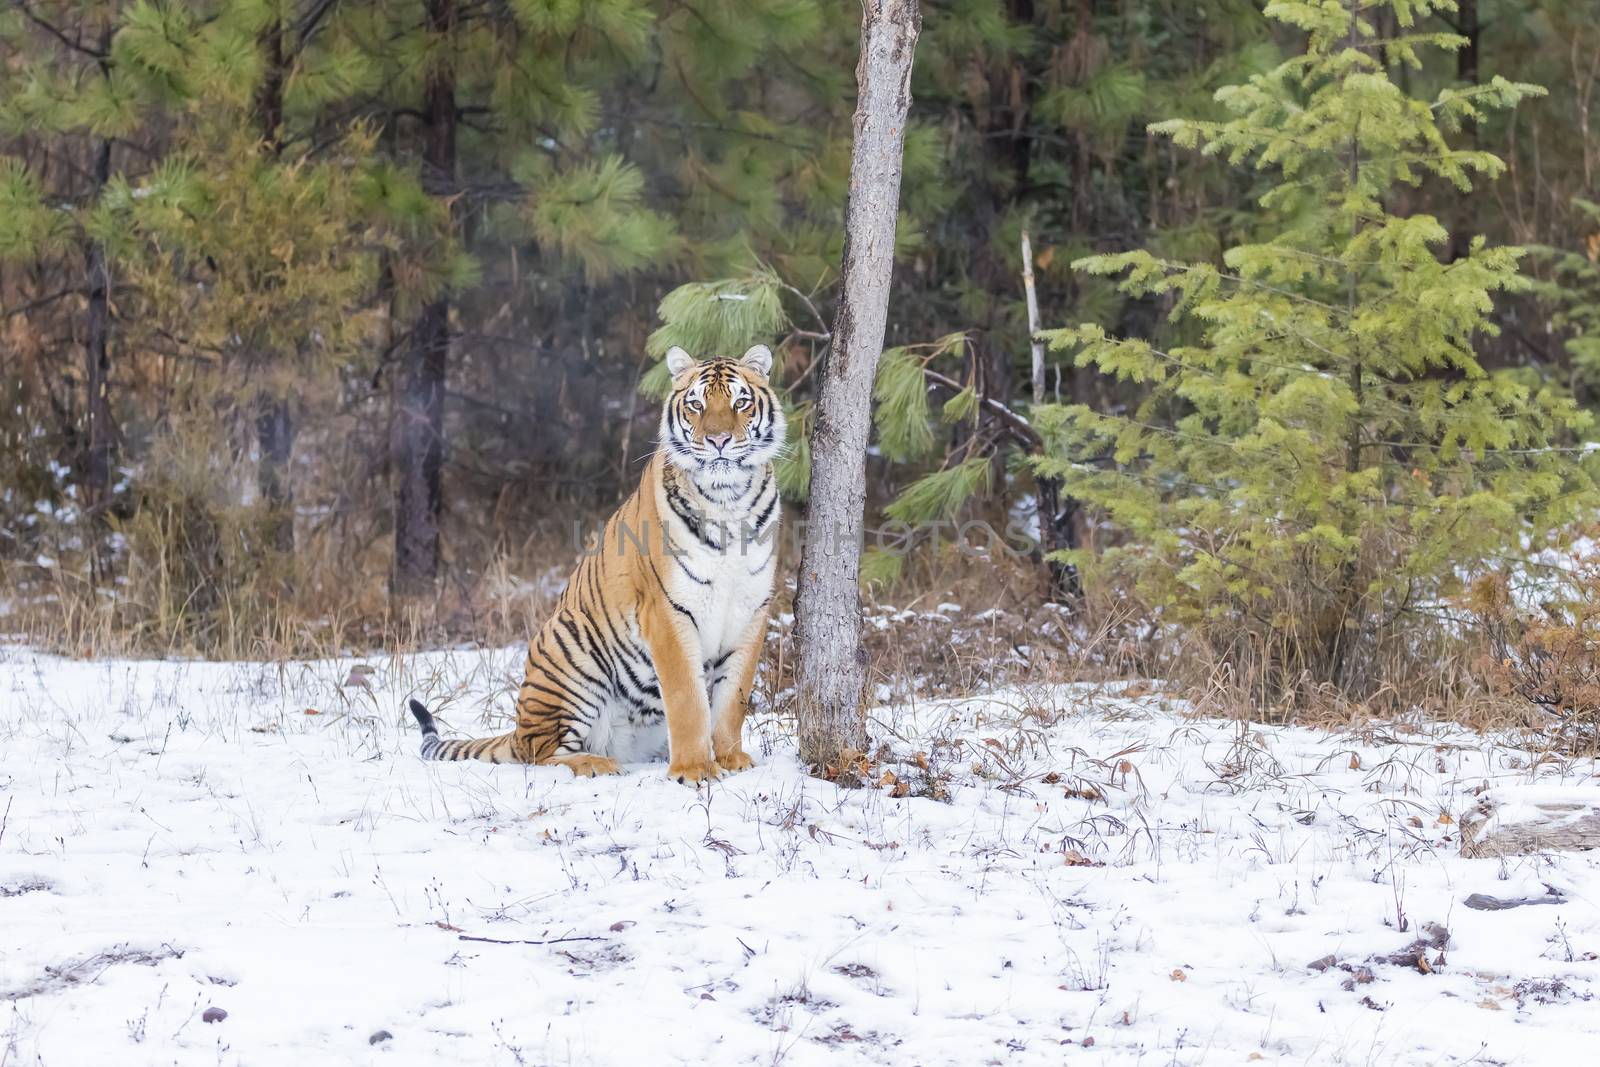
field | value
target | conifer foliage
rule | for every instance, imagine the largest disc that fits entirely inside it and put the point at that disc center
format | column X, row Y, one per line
column 1311, row 474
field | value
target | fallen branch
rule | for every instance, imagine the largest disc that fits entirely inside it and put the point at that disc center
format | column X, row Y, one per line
column 1528, row 820
column 514, row 941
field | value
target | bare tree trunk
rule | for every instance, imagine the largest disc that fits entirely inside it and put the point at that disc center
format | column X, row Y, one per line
column 418, row 439
column 274, row 419
column 1058, row 529
column 831, row 670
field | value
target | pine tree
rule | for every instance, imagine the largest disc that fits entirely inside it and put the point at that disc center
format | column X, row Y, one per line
column 73, row 82
column 1306, row 480
column 242, row 246
column 503, row 101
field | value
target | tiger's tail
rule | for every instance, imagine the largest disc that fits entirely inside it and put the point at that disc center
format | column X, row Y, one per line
column 489, row 749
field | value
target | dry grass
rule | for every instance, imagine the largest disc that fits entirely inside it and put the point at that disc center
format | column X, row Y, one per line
column 209, row 589
column 192, row 581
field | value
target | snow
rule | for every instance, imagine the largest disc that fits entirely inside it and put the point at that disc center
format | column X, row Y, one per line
column 1105, row 873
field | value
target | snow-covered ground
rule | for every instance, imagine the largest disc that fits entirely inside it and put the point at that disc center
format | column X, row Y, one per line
column 1098, row 880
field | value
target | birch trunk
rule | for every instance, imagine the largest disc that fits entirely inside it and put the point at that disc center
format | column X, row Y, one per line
column 831, row 670
column 1058, row 528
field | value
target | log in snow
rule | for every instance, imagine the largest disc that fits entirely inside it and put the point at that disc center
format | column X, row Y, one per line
column 1526, row 820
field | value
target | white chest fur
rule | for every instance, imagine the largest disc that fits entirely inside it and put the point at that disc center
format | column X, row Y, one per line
column 723, row 556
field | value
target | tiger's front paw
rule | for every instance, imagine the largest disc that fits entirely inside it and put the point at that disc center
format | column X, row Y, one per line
column 735, row 761
column 693, row 773
column 584, row 765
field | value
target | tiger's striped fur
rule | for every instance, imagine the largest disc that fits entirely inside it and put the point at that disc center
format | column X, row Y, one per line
column 653, row 644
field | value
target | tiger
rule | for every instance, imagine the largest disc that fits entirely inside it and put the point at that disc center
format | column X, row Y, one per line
column 653, row 644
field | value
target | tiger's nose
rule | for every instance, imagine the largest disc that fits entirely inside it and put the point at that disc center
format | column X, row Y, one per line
column 719, row 441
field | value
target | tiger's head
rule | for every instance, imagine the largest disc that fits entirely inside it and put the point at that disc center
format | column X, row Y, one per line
column 722, row 421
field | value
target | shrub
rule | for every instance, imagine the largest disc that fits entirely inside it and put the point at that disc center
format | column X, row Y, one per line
column 1304, row 484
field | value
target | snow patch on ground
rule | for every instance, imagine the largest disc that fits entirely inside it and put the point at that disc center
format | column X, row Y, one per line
column 1107, row 880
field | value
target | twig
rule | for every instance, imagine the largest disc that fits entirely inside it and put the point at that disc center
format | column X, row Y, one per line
column 1018, row 425
column 501, row 941
column 34, row 305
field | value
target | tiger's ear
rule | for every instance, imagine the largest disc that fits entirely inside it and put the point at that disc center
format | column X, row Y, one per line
column 678, row 361
column 758, row 358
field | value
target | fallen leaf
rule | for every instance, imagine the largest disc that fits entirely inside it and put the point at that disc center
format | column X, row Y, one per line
column 1178, row 975
column 1355, row 762
column 312, row 711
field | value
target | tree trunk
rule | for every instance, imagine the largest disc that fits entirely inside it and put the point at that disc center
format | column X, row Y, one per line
column 831, row 669
column 1462, row 225
column 274, row 420
column 269, row 94
column 101, row 436
column 275, row 444
column 418, row 441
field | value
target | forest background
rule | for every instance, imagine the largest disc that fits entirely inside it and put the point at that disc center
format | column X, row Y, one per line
column 334, row 323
